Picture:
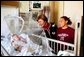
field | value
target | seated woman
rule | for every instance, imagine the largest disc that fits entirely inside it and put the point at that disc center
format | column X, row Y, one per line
column 65, row 33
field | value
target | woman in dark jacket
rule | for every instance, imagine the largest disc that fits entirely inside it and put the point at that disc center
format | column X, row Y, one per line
column 49, row 28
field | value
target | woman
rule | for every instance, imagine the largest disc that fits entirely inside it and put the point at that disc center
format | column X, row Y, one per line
column 49, row 28
column 65, row 33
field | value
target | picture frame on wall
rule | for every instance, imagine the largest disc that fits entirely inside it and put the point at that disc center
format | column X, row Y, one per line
column 36, row 5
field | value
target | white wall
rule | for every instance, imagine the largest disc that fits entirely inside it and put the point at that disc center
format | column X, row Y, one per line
column 24, row 6
column 7, row 11
column 74, row 10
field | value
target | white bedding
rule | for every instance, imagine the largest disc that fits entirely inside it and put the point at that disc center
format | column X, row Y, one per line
column 30, row 49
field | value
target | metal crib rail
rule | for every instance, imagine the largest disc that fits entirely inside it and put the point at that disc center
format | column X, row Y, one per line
column 58, row 42
column 4, row 52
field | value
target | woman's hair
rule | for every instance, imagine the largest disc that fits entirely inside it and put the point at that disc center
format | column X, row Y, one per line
column 67, row 19
column 43, row 17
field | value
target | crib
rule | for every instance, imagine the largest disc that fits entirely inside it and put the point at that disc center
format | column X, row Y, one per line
column 56, row 43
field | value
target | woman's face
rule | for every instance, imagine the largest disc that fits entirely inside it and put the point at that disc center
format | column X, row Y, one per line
column 41, row 22
column 62, row 22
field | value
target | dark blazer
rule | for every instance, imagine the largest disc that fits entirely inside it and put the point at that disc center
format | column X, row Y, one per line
column 51, row 33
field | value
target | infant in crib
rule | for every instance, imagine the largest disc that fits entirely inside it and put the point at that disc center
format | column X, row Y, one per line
column 18, row 42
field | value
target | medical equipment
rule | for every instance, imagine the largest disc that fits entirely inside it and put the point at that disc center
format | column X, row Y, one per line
column 15, row 23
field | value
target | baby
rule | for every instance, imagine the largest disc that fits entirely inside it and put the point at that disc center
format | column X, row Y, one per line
column 18, row 42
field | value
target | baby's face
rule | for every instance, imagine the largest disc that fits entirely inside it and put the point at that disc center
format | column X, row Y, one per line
column 16, row 37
